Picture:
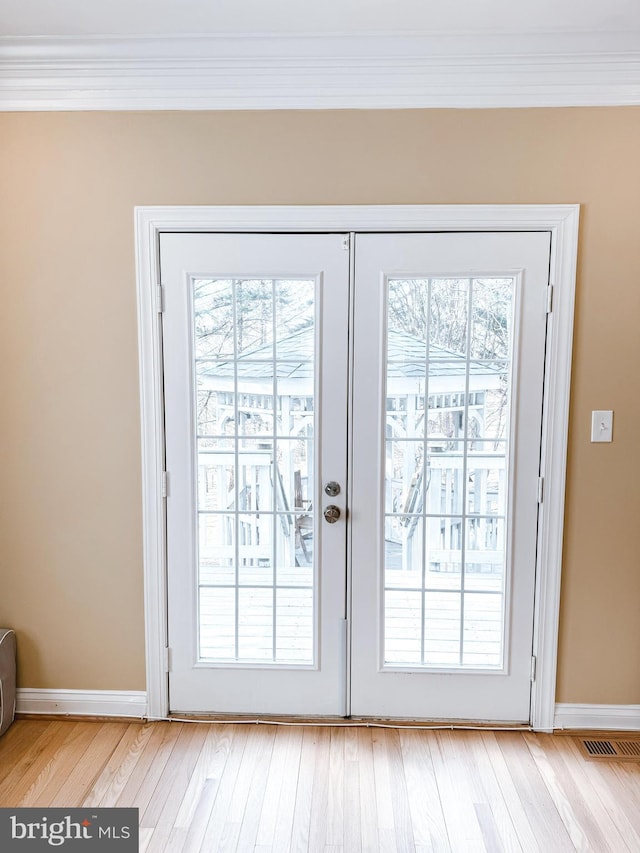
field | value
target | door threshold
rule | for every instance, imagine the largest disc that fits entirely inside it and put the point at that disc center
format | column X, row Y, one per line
column 347, row 722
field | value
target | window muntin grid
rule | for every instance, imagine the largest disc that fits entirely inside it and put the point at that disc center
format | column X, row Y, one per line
column 254, row 390
column 448, row 399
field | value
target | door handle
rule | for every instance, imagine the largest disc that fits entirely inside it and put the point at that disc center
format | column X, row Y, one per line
column 331, row 514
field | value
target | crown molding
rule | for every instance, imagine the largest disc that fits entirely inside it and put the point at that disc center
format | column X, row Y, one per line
column 314, row 72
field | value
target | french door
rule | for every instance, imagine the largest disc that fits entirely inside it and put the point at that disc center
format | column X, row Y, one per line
column 447, row 414
column 255, row 351
column 352, row 427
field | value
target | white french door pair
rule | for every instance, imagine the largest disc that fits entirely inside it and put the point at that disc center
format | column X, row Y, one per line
column 353, row 428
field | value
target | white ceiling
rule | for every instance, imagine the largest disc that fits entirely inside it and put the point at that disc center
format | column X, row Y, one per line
column 25, row 18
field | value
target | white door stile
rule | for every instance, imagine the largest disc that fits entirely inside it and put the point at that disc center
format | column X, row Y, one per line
column 562, row 223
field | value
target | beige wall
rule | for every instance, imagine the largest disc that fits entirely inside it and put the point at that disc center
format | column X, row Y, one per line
column 70, row 518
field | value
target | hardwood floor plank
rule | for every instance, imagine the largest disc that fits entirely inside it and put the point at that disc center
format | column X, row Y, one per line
column 113, row 777
column 351, row 811
column 304, row 791
column 556, row 792
column 192, row 818
column 12, row 745
column 144, row 839
column 493, row 814
column 62, row 764
column 258, row 774
column 209, row 767
column 599, row 789
column 429, row 828
column 190, row 838
column 211, row 788
column 490, row 834
column 351, row 816
column 289, row 786
column 140, row 785
column 384, row 796
column 368, row 810
column 403, row 828
column 213, row 835
column 241, row 788
column 172, row 785
column 351, row 743
column 336, row 790
column 509, row 793
column 623, row 779
column 193, row 814
column 91, row 765
column 319, row 817
column 547, row 826
column 29, row 755
column 583, row 829
column 461, row 820
column 283, row 761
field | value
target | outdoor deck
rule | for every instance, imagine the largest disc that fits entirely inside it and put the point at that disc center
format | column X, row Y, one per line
column 291, row 600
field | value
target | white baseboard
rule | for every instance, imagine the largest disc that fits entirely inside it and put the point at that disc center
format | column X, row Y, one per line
column 132, row 703
column 97, row 703
column 613, row 717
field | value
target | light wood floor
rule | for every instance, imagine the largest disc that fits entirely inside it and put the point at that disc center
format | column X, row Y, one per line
column 212, row 787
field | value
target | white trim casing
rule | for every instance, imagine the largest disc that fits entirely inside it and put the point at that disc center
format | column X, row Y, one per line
column 152, row 449
column 340, row 71
column 560, row 220
column 605, row 717
column 555, row 434
column 94, row 703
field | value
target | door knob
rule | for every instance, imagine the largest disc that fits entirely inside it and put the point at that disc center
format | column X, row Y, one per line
column 332, row 514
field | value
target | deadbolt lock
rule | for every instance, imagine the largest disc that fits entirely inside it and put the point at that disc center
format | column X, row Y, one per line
column 332, row 489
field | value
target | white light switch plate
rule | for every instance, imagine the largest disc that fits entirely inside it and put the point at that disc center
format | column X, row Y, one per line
column 602, row 426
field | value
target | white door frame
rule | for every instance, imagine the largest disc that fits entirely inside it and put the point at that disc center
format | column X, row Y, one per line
column 560, row 220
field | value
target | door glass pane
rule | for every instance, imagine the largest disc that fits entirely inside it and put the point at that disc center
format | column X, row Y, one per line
column 254, row 387
column 403, row 551
column 482, row 637
column 448, row 378
column 403, row 610
column 442, row 628
column 294, row 624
